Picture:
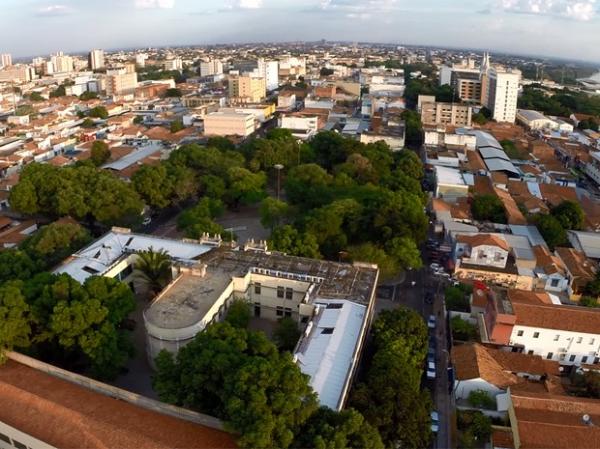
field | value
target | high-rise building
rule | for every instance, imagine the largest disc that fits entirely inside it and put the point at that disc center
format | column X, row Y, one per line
column 436, row 113
column 62, row 63
column 269, row 70
column 17, row 73
column 501, row 93
column 96, row 59
column 120, row 81
column 173, row 64
column 211, row 67
column 5, row 60
column 248, row 89
column 140, row 59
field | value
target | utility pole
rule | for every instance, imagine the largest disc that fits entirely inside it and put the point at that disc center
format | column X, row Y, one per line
column 278, row 167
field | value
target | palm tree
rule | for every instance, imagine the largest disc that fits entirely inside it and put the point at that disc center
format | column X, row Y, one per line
column 153, row 268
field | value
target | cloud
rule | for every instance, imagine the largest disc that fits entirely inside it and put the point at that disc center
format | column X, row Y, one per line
column 581, row 10
column 250, row 4
column 357, row 9
column 154, row 4
column 53, row 11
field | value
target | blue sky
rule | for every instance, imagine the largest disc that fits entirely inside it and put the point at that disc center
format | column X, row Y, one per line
column 562, row 28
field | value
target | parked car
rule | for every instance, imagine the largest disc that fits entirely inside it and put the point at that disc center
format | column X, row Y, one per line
column 431, row 322
column 429, row 297
column 147, row 221
column 435, row 266
column 430, row 370
column 435, row 421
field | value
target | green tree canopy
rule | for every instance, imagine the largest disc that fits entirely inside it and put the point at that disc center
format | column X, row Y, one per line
column 286, row 334
column 176, row 126
column 173, row 93
column 289, row 240
column 488, row 208
column 570, row 215
column 99, row 112
column 551, row 229
column 100, row 153
column 153, row 268
column 15, row 319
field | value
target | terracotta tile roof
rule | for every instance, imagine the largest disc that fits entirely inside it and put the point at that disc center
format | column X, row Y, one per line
column 591, row 210
column 547, row 261
column 555, row 194
column 513, row 213
column 483, row 239
column 555, row 421
column 59, row 161
column 475, row 161
column 499, row 178
column 483, row 186
column 69, row 416
column 503, row 439
column 473, row 361
column 531, row 312
column 14, row 234
column 578, row 264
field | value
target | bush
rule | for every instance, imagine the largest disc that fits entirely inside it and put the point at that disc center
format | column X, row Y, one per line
column 488, row 208
column 456, row 299
column 238, row 314
column 286, row 334
column 463, row 330
column 589, row 301
column 482, row 399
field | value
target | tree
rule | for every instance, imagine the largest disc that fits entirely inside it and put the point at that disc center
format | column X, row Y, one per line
column 481, row 399
column 16, row 264
column 479, row 118
column 592, row 384
column 325, row 71
column 328, row 429
column 414, row 128
column 462, row 330
column 86, row 96
column 54, row 242
column 481, row 426
column 99, row 112
column 409, row 164
column 238, row 314
column 176, row 126
column 308, row 185
column 569, row 214
column 36, row 96
column 286, row 334
column 138, row 120
column 405, row 251
column 551, row 229
column 199, row 219
column 60, row 91
column 589, row 301
column 153, row 268
column 154, row 185
column 240, row 377
column 456, row 299
column 88, row 123
column 289, row 240
column 173, row 93
column 488, row 208
column 15, row 320
column 245, row 187
column 592, row 124
column 273, row 212
column 100, row 153
column 369, row 252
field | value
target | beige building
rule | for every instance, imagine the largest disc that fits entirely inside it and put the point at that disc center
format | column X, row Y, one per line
column 247, row 89
column 17, row 73
column 229, row 124
column 121, row 81
column 436, row 113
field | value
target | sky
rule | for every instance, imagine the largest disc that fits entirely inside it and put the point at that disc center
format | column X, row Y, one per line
column 556, row 28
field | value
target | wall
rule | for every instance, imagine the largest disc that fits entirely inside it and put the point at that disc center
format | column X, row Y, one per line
column 19, row 439
column 462, row 388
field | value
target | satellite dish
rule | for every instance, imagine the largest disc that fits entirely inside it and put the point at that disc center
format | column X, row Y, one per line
column 586, row 419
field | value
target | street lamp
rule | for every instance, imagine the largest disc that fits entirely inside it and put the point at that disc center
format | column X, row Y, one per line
column 278, row 167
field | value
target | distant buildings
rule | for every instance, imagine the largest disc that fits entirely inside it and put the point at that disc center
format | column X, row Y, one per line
column 140, row 59
column 173, row 64
column 5, row 60
column 62, row 63
column 96, row 60
column 437, row 113
column 211, row 67
column 121, row 81
column 229, row 124
column 502, row 94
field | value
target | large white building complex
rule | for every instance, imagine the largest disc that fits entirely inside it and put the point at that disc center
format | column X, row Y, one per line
column 331, row 302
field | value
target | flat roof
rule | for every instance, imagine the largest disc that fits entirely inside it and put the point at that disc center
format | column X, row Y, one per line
column 447, row 175
column 100, row 255
column 328, row 347
column 491, row 153
column 531, row 232
column 497, row 164
column 133, row 157
column 187, row 300
column 529, row 114
column 588, row 242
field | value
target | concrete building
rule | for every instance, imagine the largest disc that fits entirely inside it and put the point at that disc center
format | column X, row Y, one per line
column 450, row 183
column 535, row 120
column 5, row 60
column 270, row 71
column 18, row 73
column 502, row 94
column 301, row 126
column 121, row 81
column 247, row 89
column 140, row 59
column 172, row 64
column 332, row 302
column 539, row 324
column 436, row 113
column 96, row 60
column 211, row 67
column 62, row 63
column 229, row 124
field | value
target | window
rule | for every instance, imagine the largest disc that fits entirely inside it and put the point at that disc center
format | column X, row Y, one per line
column 257, row 288
column 289, row 293
column 327, row 330
column 530, row 352
column 579, row 339
column 19, row 445
column 335, row 305
column 554, row 283
column 288, row 312
column 519, row 333
column 536, row 335
column 572, row 358
column 304, row 319
column 5, row 438
column 279, row 311
column 592, row 340
column 556, row 337
column 280, row 292
column 549, row 356
column 584, row 359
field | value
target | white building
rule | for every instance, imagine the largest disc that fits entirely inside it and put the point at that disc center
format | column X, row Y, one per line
column 269, row 70
column 211, row 67
column 173, row 64
column 229, row 124
column 62, row 63
column 301, row 127
column 592, row 168
column 96, row 59
column 502, row 93
column 5, row 60
column 140, row 59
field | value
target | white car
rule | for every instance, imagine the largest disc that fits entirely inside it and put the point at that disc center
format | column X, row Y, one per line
column 147, row 221
column 435, row 421
column 431, row 322
column 435, row 266
column 430, row 370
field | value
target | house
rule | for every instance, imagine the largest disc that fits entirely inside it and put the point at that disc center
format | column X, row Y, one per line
column 586, row 242
column 580, row 270
column 537, row 323
column 551, row 274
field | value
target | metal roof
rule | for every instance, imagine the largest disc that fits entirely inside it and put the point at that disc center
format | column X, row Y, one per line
column 132, row 158
column 588, row 242
column 493, row 153
column 501, row 165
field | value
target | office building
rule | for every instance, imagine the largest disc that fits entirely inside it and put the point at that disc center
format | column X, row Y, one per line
column 17, row 73
column 96, row 59
column 211, row 67
column 436, row 113
column 5, row 60
column 120, row 81
column 247, row 89
column 62, row 63
column 269, row 70
column 140, row 59
column 229, row 124
column 173, row 64
column 501, row 93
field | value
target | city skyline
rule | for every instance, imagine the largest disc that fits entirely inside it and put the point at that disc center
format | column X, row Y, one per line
column 511, row 26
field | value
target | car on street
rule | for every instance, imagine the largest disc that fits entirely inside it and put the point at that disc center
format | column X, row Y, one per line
column 429, row 297
column 430, row 370
column 146, row 221
column 431, row 322
column 435, row 421
column 435, row 266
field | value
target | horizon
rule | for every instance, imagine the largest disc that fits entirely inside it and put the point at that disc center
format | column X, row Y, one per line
column 513, row 27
